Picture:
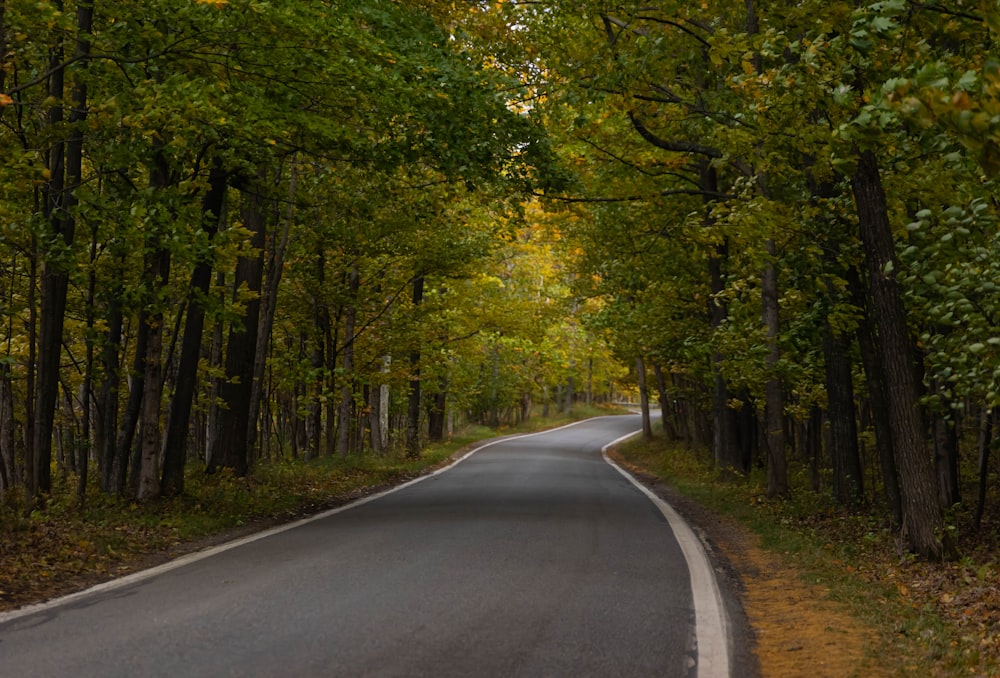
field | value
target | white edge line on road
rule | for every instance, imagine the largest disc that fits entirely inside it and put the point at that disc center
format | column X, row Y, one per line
column 190, row 558
column 710, row 618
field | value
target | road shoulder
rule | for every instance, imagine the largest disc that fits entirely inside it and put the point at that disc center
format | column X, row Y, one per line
column 782, row 626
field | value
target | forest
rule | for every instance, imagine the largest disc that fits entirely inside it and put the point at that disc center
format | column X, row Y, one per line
column 237, row 232
column 241, row 232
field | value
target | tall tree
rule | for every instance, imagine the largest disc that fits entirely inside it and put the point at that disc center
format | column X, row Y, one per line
column 178, row 425
column 921, row 512
column 230, row 445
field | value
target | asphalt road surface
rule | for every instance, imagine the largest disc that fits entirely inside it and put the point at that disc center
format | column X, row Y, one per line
column 531, row 557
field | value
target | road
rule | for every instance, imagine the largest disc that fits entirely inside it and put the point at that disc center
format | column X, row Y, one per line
column 531, row 557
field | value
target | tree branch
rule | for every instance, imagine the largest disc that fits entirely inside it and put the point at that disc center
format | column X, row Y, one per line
column 679, row 26
column 676, row 146
column 948, row 12
column 636, row 198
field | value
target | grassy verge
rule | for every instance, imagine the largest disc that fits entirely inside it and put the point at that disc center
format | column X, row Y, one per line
column 65, row 548
column 931, row 619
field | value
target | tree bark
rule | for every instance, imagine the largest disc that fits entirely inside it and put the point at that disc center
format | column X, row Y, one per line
column 269, row 301
column 83, row 463
column 331, row 330
column 7, row 472
column 149, row 476
column 667, row 417
column 985, row 445
column 848, row 487
column 878, row 398
column 321, row 319
column 126, row 434
column 640, row 371
column 922, row 517
column 230, row 445
column 179, row 423
column 74, row 177
column 379, row 412
column 346, row 388
column 725, row 420
column 570, row 392
column 413, row 403
column 946, row 460
column 777, row 468
column 31, row 372
column 156, row 275
column 436, row 411
column 53, row 289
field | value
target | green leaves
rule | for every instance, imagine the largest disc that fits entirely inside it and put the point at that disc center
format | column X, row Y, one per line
column 951, row 278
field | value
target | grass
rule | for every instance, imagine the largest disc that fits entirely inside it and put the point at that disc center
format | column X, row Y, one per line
column 935, row 619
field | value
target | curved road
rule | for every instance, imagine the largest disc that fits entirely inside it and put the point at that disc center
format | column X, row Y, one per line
column 531, row 557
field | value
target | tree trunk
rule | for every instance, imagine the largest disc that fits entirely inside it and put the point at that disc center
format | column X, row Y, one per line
column 640, row 370
column 777, row 468
column 379, row 415
column 269, row 301
column 413, row 404
column 216, row 363
column 946, row 461
column 53, row 288
column 7, row 472
column 230, row 445
column 346, row 389
column 31, row 372
column 321, row 319
column 922, row 517
column 436, row 411
column 179, row 423
column 666, row 410
column 126, row 434
column 374, row 401
column 83, row 463
column 331, row 332
column 149, row 471
column 848, row 487
column 590, row 381
column 156, row 275
column 814, row 445
column 985, row 444
column 74, row 177
column 725, row 422
column 107, row 428
column 878, row 397
column 748, row 432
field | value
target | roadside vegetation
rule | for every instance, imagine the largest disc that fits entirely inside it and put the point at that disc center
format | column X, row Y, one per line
column 913, row 617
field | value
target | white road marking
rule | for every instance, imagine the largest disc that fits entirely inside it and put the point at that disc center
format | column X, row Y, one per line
column 710, row 619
